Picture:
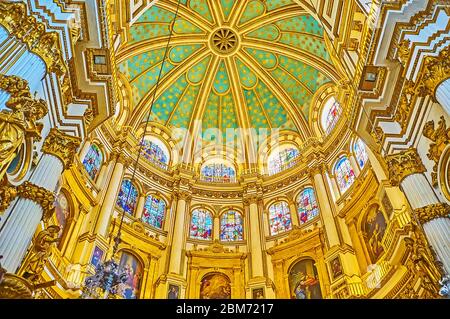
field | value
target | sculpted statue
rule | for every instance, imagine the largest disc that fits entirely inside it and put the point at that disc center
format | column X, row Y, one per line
column 41, row 251
column 19, row 121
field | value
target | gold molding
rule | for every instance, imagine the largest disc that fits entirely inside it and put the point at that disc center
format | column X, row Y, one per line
column 435, row 71
column 39, row 195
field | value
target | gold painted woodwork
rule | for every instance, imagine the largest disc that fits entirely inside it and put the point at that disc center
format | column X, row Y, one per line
column 15, row 287
column 433, row 211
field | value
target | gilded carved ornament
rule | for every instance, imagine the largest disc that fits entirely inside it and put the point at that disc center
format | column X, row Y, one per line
column 433, row 211
column 435, row 71
column 20, row 121
column 404, row 51
column 403, row 164
column 62, row 146
column 40, row 195
column 13, row 16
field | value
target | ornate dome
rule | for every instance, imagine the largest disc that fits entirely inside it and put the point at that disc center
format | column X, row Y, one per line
column 230, row 64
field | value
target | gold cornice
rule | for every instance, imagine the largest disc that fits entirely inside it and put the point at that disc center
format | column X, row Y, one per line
column 62, row 146
column 433, row 211
column 403, row 164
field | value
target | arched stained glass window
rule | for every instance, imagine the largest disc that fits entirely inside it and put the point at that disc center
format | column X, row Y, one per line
column 127, row 198
column 201, row 224
column 154, row 211
column 331, row 113
column 231, row 228
column 279, row 218
column 155, row 152
column 218, row 173
column 344, row 174
column 361, row 153
column 281, row 160
column 307, row 206
column 93, row 161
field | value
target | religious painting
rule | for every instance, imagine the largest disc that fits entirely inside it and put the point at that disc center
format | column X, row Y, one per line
column 375, row 228
column 174, row 292
column 336, row 268
column 133, row 270
column 304, row 281
column 62, row 211
column 258, row 293
column 96, row 256
column 215, row 286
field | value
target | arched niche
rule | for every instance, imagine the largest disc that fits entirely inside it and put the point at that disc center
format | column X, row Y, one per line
column 304, row 280
column 133, row 268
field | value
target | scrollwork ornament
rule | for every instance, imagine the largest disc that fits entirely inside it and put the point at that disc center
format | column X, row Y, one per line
column 435, row 70
column 40, row 195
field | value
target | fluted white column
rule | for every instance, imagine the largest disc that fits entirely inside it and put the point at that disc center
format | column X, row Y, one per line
column 443, row 95
column 23, row 218
column 420, row 194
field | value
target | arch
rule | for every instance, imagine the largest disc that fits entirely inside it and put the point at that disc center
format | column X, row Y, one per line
column 373, row 227
column 307, row 206
column 215, row 285
column 201, row 224
column 231, row 226
column 154, row 211
column 280, row 220
column 127, row 197
column 282, row 158
column 133, row 267
column 93, row 161
column 330, row 114
column 344, row 173
column 303, row 280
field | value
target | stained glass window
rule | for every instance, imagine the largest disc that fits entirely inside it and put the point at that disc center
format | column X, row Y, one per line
column 344, row 174
column 127, row 191
column 282, row 160
column 218, row 173
column 307, row 205
column 155, row 153
column 231, row 228
column 93, row 161
column 279, row 218
column 330, row 115
column 154, row 210
column 201, row 224
column 361, row 153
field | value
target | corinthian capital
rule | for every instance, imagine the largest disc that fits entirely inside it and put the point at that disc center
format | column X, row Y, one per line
column 62, row 146
column 403, row 164
column 435, row 71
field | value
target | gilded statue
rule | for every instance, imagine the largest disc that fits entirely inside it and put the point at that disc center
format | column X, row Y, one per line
column 41, row 251
column 18, row 121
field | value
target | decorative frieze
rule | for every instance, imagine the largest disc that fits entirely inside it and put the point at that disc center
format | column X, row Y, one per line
column 403, row 164
column 62, row 146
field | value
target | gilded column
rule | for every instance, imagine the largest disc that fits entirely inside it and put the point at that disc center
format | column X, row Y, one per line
column 407, row 170
column 179, row 234
column 360, row 254
column 109, row 201
column 36, row 198
column 255, row 236
column 293, row 210
column 140, row 206
column 325, row 206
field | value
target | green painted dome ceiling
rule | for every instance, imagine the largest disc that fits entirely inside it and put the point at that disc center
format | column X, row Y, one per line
column 231, row 64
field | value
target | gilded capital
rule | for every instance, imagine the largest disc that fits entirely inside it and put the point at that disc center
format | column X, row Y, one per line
column 403, row 164
column 62, row 146
column 40, row 195
column 433, row 211
column 435, row 70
